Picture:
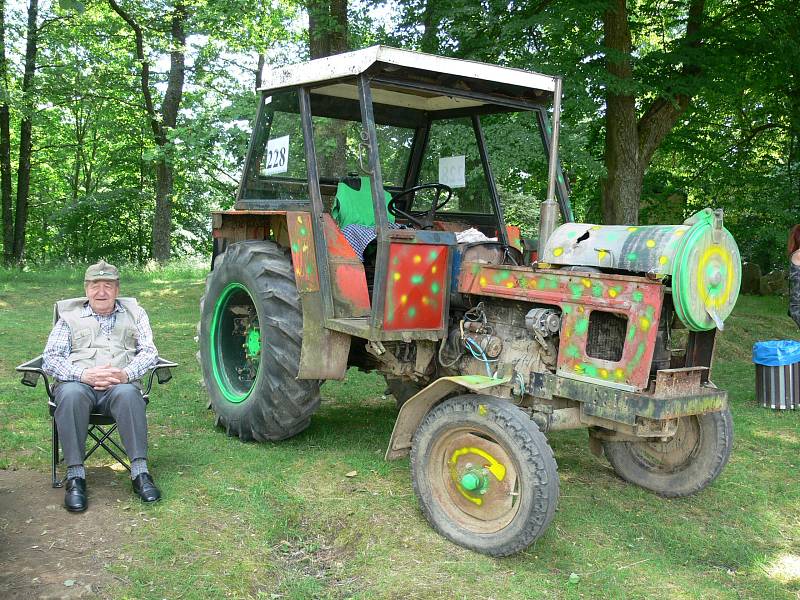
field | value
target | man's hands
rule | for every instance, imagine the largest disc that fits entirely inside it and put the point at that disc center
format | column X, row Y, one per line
column 102, row 378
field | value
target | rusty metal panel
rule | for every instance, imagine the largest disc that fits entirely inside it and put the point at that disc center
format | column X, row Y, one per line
column 324, row 352
column 679, row 382
column 304, row 258
column 578, row 294
column 624, row 406
column 348, row 279
column 417, row 287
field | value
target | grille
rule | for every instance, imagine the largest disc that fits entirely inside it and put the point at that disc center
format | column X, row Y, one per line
column 606, row 336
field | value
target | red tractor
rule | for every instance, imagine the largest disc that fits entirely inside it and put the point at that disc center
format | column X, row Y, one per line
column 370, row 230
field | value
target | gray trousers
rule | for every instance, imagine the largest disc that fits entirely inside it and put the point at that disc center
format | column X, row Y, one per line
column 76, row 401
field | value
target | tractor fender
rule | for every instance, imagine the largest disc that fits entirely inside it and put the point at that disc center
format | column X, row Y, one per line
column 415, row 408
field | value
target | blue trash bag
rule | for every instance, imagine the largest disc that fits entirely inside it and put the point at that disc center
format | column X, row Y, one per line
column 776, row 353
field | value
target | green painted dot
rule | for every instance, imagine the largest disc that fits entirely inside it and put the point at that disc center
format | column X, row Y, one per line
column 632, row 332
column 395, row 260
column 590, row 370
column 417, row 279
column 412, row 311
column 597, row 290
column 433, row 255
column 295, row 247
column 582, row 326
column 633, row 256
column 309, row 270
column 435, row 287
column 572, row 234
column 637, row 296
column 567, row 309
column 475, row 269
column 303, row 231
column 577, row 290
column 572, row 351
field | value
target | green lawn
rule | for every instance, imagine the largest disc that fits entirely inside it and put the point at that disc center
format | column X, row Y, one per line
column 283, row 521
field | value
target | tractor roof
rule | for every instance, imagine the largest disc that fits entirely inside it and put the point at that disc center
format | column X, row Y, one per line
column 414, row 80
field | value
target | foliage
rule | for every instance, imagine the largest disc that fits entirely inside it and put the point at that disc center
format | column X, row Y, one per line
column 93, row 167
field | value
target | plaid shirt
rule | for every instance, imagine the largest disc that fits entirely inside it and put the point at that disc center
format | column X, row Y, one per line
column 55, row 358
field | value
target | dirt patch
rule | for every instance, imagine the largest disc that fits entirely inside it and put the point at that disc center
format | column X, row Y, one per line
column 46, row 552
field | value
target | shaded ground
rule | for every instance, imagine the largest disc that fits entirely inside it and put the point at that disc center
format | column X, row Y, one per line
column 46, row 552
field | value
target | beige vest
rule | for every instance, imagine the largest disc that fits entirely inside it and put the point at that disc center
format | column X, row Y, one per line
column 92, row 348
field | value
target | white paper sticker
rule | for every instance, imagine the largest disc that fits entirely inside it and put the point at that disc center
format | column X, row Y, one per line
column 451, row 171
column 276, row 157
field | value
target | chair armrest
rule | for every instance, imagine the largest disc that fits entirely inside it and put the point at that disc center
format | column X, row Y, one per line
column 31, row 371
column 162, row 371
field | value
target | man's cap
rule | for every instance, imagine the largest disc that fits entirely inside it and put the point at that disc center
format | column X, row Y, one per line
column 101, row 270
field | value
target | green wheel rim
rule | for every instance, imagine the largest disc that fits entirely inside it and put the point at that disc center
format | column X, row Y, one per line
column 234, row 352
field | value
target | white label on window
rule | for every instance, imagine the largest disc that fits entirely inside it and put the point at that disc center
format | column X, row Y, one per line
column 451, row 171
column 276, row 158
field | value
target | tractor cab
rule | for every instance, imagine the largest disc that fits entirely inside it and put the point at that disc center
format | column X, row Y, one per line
column 387, row 158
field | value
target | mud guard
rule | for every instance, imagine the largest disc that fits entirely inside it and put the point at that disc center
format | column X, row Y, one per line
column 415, row 409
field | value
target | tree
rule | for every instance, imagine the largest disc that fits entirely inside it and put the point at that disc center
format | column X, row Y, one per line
column 5, row 146
column 163, row 121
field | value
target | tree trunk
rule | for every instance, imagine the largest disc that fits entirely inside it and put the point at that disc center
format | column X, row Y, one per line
column 430, row 26
column 162, row 220
column 25, row 135
column 631, row 143
column 327, row 35
column 5, row 147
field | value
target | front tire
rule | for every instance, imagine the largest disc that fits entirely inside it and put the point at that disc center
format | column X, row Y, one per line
column 484, row 474
column 250, row 339
column 685, row 464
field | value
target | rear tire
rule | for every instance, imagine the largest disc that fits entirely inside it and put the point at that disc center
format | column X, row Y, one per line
column 250, row 338
column 685, row 464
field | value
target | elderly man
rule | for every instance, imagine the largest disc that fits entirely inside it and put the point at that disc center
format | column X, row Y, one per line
column 98, row 349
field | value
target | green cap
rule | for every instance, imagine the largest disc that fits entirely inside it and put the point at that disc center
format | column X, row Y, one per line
column 101, row 270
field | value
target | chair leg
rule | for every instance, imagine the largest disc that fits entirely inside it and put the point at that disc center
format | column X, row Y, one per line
column 56, row 482
column 103, row 441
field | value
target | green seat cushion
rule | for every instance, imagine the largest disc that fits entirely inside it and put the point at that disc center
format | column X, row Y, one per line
column 354, row 207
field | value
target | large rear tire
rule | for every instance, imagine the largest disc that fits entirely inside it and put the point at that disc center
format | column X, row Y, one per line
column 250, row 337
column 484, row 474
column 681, row 466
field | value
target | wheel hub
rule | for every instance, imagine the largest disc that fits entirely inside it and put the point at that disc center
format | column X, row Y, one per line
column 478, row 481
column 674, row 453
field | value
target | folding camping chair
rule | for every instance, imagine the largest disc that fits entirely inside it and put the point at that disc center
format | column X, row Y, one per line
column 101, row 427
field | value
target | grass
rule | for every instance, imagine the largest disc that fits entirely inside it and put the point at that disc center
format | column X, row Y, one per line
column 283, row 521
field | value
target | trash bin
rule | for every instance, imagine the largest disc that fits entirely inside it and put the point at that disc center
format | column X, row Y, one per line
column 777, row 373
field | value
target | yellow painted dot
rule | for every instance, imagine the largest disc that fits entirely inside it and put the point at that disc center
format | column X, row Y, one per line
column 586, row 282
column 558, row 251
column 581, row 310
column 680, row 232
column 632, row 228
column 297, row 271
column 425, row 300
column 396, row 276
column 417, row 259
column 578, row 368
column 645, row 323
column 482, row 281
column 300, row 220
column 403, row 299
column 663, row 260
column 601, row 254
column 651, row 243
column 510, row 283
column 482, row 410
column 604, row 373
column 612, row 293
column 595, row 228
column 619, row 373
column 433, row 269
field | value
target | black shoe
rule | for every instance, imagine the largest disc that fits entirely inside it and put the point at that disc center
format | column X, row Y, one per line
column 75, row 496
column 143, row 486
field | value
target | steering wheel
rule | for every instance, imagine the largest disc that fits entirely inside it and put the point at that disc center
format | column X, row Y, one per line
column 423, row 219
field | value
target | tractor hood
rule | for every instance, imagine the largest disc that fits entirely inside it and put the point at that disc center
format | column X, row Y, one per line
column 700, row 257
